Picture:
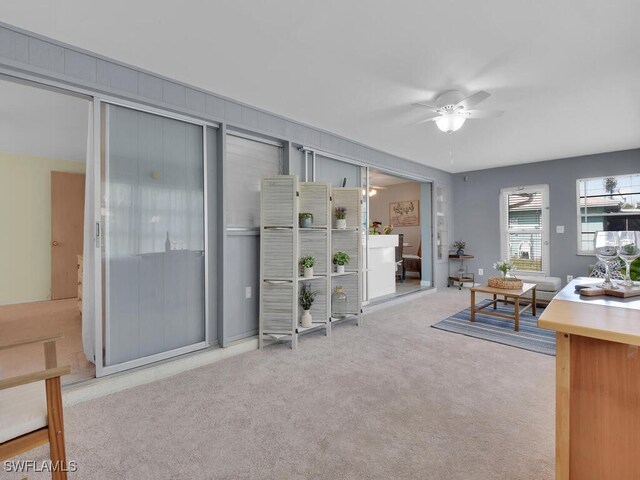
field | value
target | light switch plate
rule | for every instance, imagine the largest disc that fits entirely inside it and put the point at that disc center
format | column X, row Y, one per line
column 247, row 292
column 559, row 228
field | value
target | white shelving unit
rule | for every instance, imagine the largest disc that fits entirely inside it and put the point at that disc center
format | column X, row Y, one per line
column 282, row 243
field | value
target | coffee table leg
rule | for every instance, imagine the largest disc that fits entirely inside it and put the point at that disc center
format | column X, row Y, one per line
column 495, row 301
column 517, row 314
column 473, row 306
column 533, row 307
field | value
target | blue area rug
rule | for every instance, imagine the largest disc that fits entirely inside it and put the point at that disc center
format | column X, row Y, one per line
column 499, row 330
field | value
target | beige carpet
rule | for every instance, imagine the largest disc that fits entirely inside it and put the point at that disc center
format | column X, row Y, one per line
column 393, row 399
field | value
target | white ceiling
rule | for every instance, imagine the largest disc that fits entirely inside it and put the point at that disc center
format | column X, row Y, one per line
column 41, row 123
column 566, row 73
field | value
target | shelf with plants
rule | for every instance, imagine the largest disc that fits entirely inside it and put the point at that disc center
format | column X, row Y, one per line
column 299, row 242
column 346, row 250
column 315, row 277
column 294, row 258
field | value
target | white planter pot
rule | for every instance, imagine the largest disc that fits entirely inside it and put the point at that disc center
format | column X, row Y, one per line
column 305, row 321
column 341, row 223
column 339, row 268
column 308, row 272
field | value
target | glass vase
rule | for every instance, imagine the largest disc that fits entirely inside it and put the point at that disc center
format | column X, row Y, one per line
column 339, row 303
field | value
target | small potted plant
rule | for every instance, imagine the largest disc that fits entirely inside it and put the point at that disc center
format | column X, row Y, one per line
column 341, row 217
column 306, row 300
column 307, row 264
column 459, row 246
column 504, row 267
column 305, row 219
column 509, row 283
column 340, row 259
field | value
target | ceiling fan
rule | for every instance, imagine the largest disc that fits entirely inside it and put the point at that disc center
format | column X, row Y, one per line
column 452, row 109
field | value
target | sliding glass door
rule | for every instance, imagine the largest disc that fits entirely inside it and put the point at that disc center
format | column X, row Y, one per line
column 153, row 245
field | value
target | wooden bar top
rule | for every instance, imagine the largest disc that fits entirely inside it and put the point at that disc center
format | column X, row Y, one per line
column 604, row 318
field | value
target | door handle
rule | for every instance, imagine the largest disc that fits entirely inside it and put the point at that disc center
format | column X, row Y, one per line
column 55, row 243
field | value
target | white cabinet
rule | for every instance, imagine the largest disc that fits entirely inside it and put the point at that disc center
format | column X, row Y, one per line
column 382, row 265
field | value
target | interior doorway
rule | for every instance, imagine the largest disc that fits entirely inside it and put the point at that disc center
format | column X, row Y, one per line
column 67, row 232
column 43, row 158
column 400, row 240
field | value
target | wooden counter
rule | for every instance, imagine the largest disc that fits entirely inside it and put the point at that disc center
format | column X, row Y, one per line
column 597, row 385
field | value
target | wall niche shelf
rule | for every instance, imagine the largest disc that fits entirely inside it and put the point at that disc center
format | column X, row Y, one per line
column 282, row 243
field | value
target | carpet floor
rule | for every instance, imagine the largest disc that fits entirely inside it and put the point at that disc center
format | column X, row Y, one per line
column 393, row 399
column 501, row 330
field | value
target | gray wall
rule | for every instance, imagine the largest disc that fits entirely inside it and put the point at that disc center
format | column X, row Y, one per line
column 30, row 56
column 476, row 207
column 426, row 231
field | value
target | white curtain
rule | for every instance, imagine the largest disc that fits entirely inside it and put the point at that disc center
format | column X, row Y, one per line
column 89, row 250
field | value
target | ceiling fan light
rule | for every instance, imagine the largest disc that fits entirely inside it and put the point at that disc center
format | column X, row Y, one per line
column 450, row 123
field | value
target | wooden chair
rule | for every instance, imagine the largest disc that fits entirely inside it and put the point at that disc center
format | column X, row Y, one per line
column 31, row 408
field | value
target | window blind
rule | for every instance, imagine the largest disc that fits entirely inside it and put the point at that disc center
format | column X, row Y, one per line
column 524, row 228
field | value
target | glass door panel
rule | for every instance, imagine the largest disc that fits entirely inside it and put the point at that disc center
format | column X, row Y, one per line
column 153, row 249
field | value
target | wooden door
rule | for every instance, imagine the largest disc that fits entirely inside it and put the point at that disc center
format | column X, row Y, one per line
column 67, row 232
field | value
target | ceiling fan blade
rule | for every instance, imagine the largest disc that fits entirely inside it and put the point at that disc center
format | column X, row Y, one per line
column 484, row 113
column 472, row 100
column 431, row 107
column 430, row 119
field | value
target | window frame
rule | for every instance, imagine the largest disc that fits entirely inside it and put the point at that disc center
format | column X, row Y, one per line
column 544, row 230
column 580, row 251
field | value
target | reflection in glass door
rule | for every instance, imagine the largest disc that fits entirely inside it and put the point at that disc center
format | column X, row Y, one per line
column 153, row 251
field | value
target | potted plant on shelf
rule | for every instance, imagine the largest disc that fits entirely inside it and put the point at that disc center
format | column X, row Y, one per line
column 306, row 300
column 307, row 263
column 341, row 218
column 459, row 246
column 340, row 259
column 305, row 219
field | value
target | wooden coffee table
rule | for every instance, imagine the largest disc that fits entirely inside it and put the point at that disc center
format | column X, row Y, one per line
column 507, row 294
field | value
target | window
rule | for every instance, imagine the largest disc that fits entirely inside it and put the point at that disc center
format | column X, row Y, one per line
column 247, row 161
column 524, row 228
column 607, row 203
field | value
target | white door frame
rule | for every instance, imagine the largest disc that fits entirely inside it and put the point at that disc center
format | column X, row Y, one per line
column 100, row 129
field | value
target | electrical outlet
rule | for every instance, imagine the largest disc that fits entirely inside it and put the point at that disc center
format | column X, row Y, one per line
column 247, row 292
column 569, row 278
column 480, row 272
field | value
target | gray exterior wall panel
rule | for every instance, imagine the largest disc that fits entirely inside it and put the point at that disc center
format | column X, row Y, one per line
column 79, row 65
column 150, row 87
